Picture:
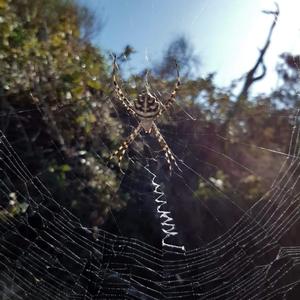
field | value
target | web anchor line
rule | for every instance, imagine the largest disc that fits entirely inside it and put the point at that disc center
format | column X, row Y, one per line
column 167, row 222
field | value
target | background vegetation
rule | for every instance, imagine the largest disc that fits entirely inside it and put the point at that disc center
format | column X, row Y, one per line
column 58, row 111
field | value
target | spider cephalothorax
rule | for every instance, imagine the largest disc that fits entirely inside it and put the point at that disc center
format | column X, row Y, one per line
column 147, row 109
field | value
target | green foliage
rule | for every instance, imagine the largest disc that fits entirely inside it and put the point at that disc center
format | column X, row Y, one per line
column 214, row 187
column 47, row 68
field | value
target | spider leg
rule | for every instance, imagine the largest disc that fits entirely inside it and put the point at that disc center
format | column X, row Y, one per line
column 171, row 99
column 119, row 153
column 120, row 95
column 168, row 153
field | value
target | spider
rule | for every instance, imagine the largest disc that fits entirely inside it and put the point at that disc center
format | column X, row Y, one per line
column 146, row 108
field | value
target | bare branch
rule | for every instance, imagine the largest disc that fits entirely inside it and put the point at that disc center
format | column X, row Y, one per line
column 250, row 77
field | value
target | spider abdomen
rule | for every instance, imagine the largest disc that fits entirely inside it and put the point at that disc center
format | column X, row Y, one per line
column 146, row 106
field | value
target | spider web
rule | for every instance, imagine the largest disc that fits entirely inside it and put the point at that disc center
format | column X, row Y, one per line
column 198, row 249
column 46, row 253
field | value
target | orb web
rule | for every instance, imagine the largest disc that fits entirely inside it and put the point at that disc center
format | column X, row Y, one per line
column 47, row 253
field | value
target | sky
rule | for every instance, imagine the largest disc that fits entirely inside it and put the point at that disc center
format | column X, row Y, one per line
column 226, row 34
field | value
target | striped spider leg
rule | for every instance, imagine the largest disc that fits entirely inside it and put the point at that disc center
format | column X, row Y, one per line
column 146, row 108
column 120, row 95
column 119, row 153
column 172, row 97
column 168, row 153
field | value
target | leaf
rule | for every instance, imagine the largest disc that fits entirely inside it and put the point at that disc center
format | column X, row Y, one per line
column 3, row 4
column 78, row 91
column 92, row 118
column 95, row 84
column 65, row 168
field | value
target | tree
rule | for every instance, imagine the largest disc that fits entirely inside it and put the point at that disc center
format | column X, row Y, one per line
column 181, row 51
column 54, row 78
column 287, row 93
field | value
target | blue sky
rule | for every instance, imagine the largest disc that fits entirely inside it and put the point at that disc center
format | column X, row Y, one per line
column 226, row 34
